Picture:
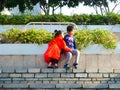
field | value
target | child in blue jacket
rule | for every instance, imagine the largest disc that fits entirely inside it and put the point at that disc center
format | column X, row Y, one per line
column 70, row 42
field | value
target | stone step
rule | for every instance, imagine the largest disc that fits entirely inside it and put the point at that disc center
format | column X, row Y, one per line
column 37, row 79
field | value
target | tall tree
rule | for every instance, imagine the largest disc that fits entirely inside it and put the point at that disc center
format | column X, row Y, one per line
column 74, row 3
column 22, row 4
column 102, row 5
column 45, row 5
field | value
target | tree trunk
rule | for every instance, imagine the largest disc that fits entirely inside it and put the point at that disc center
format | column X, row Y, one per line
column 53, row 11
column 96, row 10
column 101, row 10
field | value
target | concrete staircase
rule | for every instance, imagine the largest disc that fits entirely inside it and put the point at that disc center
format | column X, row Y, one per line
column 59, row 79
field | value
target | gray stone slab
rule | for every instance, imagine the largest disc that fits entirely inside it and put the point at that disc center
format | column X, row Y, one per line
column 29, row 61
column 59, row 70
column 5, row 75
column 45, row 70
column 115, row 61
column 15, row 75
column 114, row 86
column 116, row 70
column 5, row 79
column 17, row 61
column 42, row 86
column 78, row 70
column 88, row 86
column 34, row 70
column 15, row 86
column 21, row 70
column 68, row 86
column 81, row 75
column 40, row 75
column 91, row 62
column 8, row 70
column 27, row 75
column 106, row 70
column 97, row 75
column 40, row 63
column 104, row 62
column 82, row 62
column 92, row 70
column 67, row 75
column 18, row 79
column 4, row 59
column 54, row 75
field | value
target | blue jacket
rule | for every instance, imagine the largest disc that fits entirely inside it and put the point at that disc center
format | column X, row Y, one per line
column 70, row 41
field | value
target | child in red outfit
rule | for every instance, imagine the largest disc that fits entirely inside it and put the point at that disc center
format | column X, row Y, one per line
column 55, row 47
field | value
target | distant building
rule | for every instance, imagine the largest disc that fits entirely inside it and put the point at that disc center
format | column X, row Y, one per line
column 5, row 12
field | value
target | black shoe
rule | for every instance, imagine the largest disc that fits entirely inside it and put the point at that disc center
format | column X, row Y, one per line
column 66, row 66
column 50, row 67
column 75, row 65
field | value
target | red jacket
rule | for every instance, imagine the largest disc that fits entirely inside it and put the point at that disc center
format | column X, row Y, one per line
column 54, row 49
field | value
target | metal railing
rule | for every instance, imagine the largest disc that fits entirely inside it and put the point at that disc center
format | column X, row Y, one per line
column 49, row 23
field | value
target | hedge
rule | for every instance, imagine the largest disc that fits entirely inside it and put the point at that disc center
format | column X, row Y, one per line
column 109, row 18
column 83, row 37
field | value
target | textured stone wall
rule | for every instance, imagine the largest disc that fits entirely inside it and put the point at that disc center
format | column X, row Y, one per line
column 86, row 61
column 59, row 79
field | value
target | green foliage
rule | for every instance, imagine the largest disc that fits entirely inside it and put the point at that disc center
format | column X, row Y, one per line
column 107, row 39
column 86, row 37
column 83, row 38
column 22, row 4
column 113, row 18
column 11, row 36
column 97, row 19
column 109, row 18
column 28, row 36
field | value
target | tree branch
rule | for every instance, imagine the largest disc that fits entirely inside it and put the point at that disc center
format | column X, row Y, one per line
column 115, row 7
column 96, row 10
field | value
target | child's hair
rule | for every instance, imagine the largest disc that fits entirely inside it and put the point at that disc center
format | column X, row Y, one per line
column 69, row 28
column 57, row 32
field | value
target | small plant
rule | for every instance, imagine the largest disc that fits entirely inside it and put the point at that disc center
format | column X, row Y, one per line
column 28, row 36
column 87, row 37
column 104, row 37
column 11, row 36
column 83, row 38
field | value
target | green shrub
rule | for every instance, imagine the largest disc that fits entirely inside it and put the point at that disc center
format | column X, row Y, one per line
column 83, row 38
column 86, row 37
column 97, row 19
column 109, row 18
column 28, row 36
column 107, row 39
column 113, row 18
column 11, row 36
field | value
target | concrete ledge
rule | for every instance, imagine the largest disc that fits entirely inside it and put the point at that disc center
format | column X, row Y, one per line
column 18, row 56
column 90, row 62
